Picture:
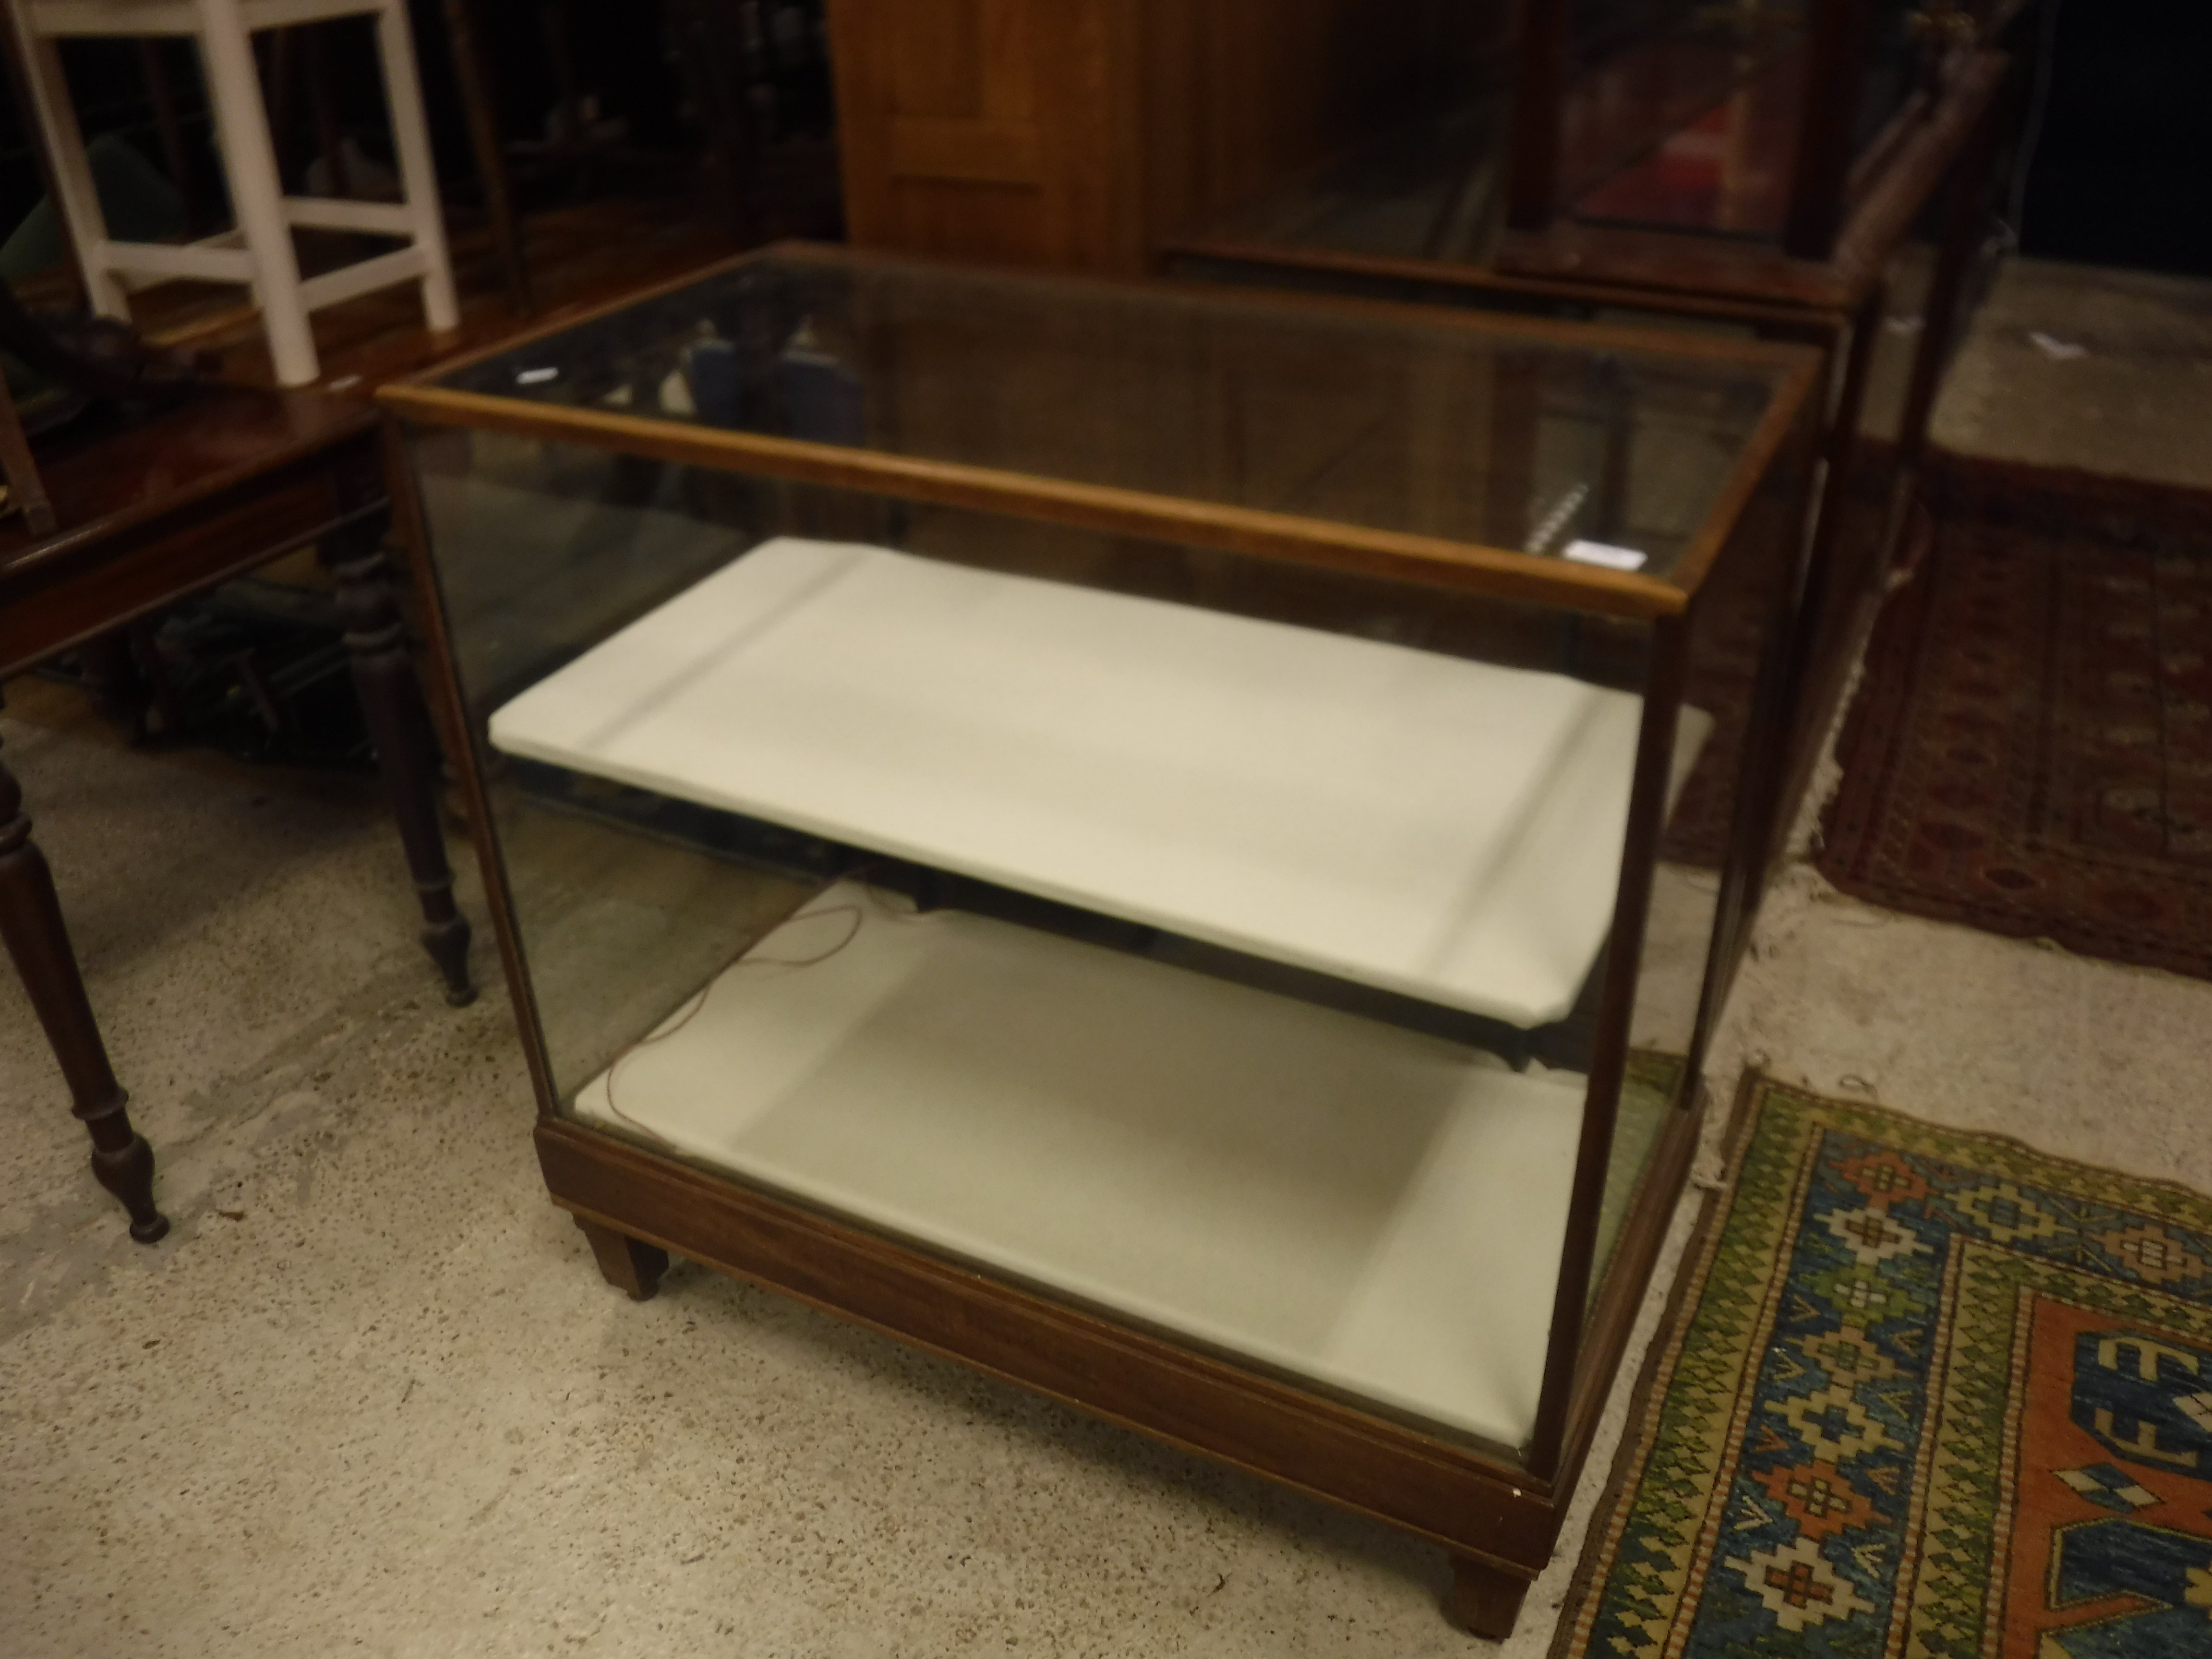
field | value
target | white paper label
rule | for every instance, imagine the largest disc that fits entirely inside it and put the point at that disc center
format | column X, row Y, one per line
column 1605, row 553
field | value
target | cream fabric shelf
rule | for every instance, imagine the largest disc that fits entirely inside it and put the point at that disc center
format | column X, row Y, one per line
column 1448, row 830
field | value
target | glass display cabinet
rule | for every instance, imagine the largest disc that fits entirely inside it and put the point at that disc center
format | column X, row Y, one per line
column 1180, row 849
column 1766, row 121
column 1829, row 158
column 1729, row 148
column 1811, row 170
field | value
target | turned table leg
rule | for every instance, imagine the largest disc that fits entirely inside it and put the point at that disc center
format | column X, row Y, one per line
column 38, row 940
column 1485, row 1600
column 400, row 727
column 626, row 1264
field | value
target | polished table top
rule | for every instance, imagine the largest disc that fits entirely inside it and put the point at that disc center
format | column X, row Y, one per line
column 110, row 475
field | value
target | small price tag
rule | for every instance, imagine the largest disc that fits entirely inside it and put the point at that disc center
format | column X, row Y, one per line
column 1605, row 553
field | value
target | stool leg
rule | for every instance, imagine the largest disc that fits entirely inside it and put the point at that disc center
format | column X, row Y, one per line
column 249, row 162
column 75, row 198
column 38, row 940
column 418, row 173
column 491, row 159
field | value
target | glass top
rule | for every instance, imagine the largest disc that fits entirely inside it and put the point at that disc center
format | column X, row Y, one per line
column 1613, row 450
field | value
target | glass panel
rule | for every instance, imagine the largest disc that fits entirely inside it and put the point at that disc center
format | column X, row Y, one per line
column 1465, row 433
column 1863, row 501
column 1675, row 115
column 1895, row 59
column 1210, row 941
column 1682, row 115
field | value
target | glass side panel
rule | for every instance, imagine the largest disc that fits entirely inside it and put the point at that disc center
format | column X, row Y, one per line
column 1682, row 115
column 1724, row 167
column 1717, row 831
column 1868, row 521
column 1673, row 114
column 1211, row 942
column 1687, row 116
column 1464, row 432
column 1898, row 60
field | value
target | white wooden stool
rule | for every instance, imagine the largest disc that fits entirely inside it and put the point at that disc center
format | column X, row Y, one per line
column 259, row 252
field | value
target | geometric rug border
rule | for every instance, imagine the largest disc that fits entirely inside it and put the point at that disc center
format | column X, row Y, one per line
column 1755, row 1093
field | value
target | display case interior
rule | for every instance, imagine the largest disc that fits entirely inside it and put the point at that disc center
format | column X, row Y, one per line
column 1765, row 121
column 1679, row 114
column 1766, row 124
column 1066, row 778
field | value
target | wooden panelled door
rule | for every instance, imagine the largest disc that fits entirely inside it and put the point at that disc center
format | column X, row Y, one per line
column 993, row 130
column 1075, row 133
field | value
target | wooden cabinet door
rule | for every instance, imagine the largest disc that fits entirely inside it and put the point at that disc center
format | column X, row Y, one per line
column 991, row 129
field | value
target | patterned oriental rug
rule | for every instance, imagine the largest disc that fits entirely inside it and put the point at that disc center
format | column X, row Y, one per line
column 2030, row 752
column 1924, row 1394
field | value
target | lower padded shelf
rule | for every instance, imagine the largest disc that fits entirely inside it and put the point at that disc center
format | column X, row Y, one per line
column 1373, row 1209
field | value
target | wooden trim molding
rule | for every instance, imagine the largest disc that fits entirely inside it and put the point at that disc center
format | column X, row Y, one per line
column 1393, row 279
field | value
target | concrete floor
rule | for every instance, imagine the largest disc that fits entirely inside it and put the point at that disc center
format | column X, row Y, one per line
column 2109, row 371
column 371, row 1394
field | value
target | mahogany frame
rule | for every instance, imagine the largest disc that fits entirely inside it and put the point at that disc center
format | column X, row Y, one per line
column 1498, row 1513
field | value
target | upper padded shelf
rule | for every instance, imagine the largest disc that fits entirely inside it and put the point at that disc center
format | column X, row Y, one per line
column 1444, row 828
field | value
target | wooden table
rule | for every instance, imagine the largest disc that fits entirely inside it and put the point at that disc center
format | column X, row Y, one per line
column 151, row 515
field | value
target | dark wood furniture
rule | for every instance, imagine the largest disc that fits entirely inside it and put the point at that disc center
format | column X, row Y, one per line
column 149, row 514
column 1315, row 479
